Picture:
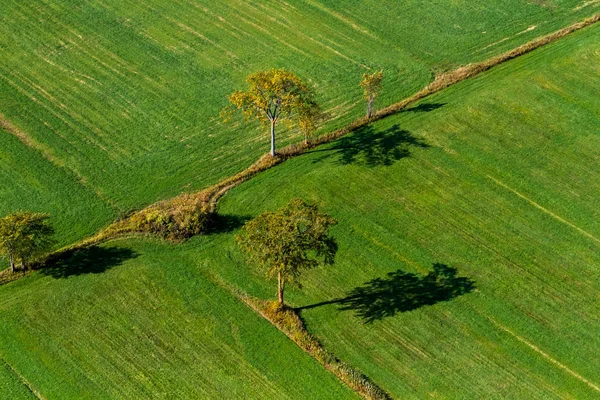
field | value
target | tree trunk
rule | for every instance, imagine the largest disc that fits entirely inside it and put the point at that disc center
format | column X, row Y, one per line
column 273, row 138
column 280, row 285
column 370, row 106
column 11, row 258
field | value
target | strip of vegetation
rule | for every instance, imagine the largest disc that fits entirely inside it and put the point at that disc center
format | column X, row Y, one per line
column 286, row 320
column 21, row 379
column 441, row 82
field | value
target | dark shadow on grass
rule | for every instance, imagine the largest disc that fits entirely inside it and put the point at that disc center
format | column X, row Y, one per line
column 226, row 223
column 373, row 148
column 425, row 107
column 401, row 292
column 90, row 260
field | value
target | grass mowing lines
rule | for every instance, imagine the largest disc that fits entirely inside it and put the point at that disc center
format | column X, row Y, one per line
column 31, row 182
column 424, row 259
column 125, row 92
column 135, row 319
column 545, row 210
column 12, row 386
column 534, row 274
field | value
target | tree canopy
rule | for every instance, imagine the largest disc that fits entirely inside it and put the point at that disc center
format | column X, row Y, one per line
column 371, row 84
column 276, row 95
column 24, row 237
column 287, row 241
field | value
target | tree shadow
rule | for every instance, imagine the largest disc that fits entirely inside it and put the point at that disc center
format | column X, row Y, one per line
column 225, row 223
column 425, row 107
column 89, row 260
column 401, row 292
column 373, row 148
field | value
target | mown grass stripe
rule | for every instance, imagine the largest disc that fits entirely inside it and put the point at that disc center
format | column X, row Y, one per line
column 47, row 153
column 30, row 142
column 545, row 355
column 545, row 210
column 22, row 379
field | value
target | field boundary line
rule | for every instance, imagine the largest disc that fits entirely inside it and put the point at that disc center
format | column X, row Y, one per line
column 24, row 381
column 440, row 83
column 286, row 320
column 29, row 141
column 46, row 152
column 536, row 205
column 545, row 355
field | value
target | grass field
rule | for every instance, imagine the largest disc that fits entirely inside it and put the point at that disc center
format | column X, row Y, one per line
column 126, row 94
column 116, row 322
column 11, row 387
column 494, row 177
column 30, row 182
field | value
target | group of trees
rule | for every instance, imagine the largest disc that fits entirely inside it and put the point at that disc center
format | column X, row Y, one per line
column 279, row 95
column 296, row 237
column 284, row 242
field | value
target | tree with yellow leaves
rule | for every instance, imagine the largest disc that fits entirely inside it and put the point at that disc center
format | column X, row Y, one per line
column 287, row 241
column 371, row 84
column 273, row 96
column 24, row 237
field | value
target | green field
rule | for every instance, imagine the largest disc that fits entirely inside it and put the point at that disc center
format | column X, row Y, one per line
column 126, row 94
column 30, row 182
column 11, row 387
column 139, row 320
column 494, row 177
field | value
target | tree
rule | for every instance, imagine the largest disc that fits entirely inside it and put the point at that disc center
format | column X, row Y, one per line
column 24, row 237
column 371, row 84
column 310, row 117
column 273, row 96
column 288, row 241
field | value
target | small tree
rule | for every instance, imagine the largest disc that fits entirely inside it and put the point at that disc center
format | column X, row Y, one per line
column 371, row 84
column 310, row 117
column 273, row 96
column 24, row 237
column 289, row 240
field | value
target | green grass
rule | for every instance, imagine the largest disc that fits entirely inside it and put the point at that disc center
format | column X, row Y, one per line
column 139, row 320
column 505, row 192
column 30, row 182
column 11, row 387
column 127, row 93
